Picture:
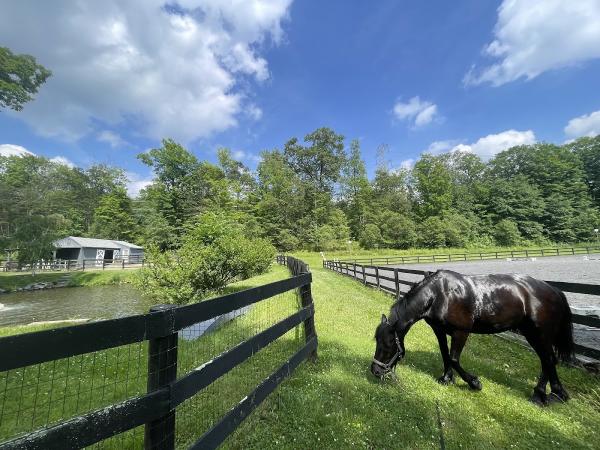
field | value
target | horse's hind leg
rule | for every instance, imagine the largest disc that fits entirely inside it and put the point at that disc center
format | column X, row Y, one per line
column 548, row 361
column 448, row 375
column 459, row 339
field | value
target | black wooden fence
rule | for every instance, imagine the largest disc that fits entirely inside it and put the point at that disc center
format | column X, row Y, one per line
column 388, row 279
column 44, row 361
column 476, row 256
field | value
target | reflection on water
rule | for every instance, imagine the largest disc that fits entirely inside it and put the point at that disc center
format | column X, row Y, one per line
column 96, row 302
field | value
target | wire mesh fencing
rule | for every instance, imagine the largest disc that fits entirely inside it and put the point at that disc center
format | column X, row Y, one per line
column 160, row 380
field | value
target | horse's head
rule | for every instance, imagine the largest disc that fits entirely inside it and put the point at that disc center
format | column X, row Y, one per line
column 389, row 349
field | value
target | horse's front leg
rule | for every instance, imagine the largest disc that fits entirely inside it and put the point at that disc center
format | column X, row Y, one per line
column 448, row 375
column 459, row 339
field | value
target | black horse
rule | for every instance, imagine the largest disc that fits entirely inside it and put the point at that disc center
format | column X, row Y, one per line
column 458, row 305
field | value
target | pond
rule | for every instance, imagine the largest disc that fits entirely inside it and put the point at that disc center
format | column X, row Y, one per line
column 95, row 302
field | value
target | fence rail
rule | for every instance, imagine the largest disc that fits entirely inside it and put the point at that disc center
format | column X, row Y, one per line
column 156, row 409
column 388, row 280
column 475, row 256
column 74, row 264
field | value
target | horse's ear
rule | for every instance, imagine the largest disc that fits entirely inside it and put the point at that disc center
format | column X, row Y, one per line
column 383, row 319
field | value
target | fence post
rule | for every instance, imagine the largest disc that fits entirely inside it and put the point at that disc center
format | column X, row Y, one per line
column 162, row 371
column 397, row 282
column 309, row 323
column 377, row 276
column 364, row 275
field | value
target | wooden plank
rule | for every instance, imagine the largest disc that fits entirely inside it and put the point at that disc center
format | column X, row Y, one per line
column 586, row 320
column 88, row 429
column 48, row 345
column 186, row 316
column 199, row 378
column 217, row 434
column 576, row 288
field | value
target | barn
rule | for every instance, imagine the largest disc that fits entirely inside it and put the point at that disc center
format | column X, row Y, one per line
column 88, row 249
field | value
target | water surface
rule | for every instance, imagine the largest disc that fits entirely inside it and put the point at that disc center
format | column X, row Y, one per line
column 95, row 302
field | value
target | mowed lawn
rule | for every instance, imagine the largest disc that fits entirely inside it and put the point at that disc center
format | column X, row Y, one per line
column 336, row 403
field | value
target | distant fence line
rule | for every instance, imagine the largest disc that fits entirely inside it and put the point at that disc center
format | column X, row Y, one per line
column 475, row 256
column 388, row 279
column 75, row 264
column 42, row 362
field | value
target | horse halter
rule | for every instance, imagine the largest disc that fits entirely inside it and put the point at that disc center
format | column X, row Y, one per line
column 390, row 365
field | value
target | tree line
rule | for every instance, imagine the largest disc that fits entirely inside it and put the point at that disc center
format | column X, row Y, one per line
column 312, row 194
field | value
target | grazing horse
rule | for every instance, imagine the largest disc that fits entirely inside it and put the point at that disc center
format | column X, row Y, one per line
column 457, row 305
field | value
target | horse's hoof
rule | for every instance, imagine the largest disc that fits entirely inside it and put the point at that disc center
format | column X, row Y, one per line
column 445, row 380
column 475, row 384
column 558, row 397
column 539, row 399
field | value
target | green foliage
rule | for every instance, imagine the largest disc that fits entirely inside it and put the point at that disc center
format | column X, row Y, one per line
column 214, row 252
column 20, row 78
column 370, row 236
column 506, row 233
column 434, row 184
column 397, row 230
column 113, row 218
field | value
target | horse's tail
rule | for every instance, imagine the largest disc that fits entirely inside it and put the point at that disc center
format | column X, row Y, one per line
column 563, row 341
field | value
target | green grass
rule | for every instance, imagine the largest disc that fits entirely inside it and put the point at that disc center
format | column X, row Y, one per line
column 314, row 258
column 10, row 281
column 335, row 402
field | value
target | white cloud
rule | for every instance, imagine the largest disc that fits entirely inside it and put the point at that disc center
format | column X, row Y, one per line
column 488, row 146
column 241, row 155
column 441, row 146
column 136, row 182
column 62, row 160
column 17, row 150
column 173, row 71
column 254, row 112
column 586, row 125
column 112, row 139
column 419, row 112
column 14, row 150
column 532, row 37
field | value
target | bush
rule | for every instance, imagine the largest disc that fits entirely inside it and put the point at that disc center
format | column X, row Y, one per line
column 370, row 237
column 506, row 233
column 432, row 233
column 397, row 230
column 214, row 252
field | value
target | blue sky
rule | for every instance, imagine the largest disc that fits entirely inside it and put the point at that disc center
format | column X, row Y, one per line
column 415, row 76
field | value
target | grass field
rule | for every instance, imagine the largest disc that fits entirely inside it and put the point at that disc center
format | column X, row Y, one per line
column 10, row 281
column 335, row 402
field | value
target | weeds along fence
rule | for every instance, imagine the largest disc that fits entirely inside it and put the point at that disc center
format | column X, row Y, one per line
column 392, row 280
column 476, row 256
column 180, row 377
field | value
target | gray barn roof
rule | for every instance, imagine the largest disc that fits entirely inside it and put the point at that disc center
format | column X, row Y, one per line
column 81, row 242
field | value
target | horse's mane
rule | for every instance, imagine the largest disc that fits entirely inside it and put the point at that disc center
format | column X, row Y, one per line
column 403, row 301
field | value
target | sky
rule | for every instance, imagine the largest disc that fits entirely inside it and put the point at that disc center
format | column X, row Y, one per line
column 468, row 75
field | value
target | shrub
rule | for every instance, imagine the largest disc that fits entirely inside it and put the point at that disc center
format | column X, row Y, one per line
column 214, row 252
column 397, row 230
column 370, row 237
column 506, row 232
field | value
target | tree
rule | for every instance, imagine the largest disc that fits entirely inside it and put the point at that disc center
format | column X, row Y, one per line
column 356, row 191
column 433, row 184
column 113, row 218
column 320, row 162
column 588, row 151
column 20, row 78
column 370, row 237
column 397, row 230
column 506, row 232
